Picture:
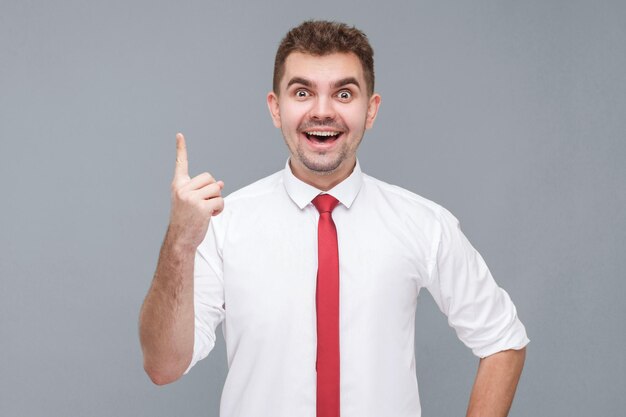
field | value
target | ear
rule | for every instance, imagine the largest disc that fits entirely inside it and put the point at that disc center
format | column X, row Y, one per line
column 372, row 110
column 272, row 104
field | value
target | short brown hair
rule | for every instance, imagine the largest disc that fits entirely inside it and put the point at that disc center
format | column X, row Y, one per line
column 320, row 37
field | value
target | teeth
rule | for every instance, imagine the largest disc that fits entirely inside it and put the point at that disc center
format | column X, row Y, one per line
column 315, row 133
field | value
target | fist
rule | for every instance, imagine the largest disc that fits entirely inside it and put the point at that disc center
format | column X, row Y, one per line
column 194, row 200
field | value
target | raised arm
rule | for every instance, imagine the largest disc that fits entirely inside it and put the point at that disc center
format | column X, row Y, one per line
column 166, row 321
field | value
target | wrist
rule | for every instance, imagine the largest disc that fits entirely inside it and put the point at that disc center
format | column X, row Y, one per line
column 178, row 243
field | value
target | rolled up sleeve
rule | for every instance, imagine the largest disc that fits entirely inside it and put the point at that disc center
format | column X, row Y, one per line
column 208, row 295
column 481, row 313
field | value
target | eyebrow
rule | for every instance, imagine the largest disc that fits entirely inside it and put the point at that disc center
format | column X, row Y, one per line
column 336, row 84
column 346, row 81
column 299, row 80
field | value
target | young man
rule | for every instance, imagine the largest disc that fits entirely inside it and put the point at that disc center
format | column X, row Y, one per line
column 314, row 271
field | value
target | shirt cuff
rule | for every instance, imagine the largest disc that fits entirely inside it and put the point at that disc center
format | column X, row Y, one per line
column 515, row 339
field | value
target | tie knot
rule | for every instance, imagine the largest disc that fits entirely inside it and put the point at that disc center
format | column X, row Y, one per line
column 325, row 203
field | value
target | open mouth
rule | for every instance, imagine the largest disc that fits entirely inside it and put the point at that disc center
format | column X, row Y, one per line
column 317, row 136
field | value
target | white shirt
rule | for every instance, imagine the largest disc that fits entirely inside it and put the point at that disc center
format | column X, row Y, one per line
column 256, row 271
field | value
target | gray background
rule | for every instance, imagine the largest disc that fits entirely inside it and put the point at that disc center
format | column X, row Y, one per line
column 510, row 114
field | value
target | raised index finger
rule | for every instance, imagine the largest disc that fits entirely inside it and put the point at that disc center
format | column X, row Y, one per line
column 182, row 167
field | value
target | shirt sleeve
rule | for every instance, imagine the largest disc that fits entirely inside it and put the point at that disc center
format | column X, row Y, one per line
column 481, row 313
column 208, row 294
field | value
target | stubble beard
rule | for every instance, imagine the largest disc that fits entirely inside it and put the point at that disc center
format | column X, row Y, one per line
column 321, row 166
column 319, row 162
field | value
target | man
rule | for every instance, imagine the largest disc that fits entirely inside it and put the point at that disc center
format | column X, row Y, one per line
column 317, row 304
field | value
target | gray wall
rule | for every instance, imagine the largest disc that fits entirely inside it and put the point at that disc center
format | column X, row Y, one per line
column 510, row 114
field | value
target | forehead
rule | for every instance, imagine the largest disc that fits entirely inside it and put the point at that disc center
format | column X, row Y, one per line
column 323, row 69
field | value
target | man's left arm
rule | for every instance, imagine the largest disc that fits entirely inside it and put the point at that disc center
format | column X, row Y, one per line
column 483, row 316
column 495, row 384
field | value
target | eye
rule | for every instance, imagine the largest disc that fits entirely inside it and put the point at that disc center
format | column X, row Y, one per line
column 302, row 93
column 344, row 95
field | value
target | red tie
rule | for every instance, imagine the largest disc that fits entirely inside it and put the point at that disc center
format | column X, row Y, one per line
column 327, row 303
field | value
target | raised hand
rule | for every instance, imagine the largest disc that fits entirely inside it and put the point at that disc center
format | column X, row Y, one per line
column 194, row 201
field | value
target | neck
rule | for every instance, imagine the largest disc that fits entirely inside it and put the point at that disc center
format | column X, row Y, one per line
column 325, row 181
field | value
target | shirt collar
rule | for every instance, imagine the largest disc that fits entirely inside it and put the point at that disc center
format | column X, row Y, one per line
column 302, row 193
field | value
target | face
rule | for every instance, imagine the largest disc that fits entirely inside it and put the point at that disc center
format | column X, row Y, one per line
column 323, row 110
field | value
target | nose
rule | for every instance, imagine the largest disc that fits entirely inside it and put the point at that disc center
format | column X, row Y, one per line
column 322, row 109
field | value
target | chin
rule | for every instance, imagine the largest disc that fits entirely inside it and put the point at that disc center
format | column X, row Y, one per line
column 321, row 167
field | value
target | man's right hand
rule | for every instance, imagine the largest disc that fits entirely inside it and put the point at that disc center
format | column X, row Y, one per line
column 194, row 201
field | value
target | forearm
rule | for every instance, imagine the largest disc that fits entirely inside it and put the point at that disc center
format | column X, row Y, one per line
column 167, row 315
column 495, row 384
